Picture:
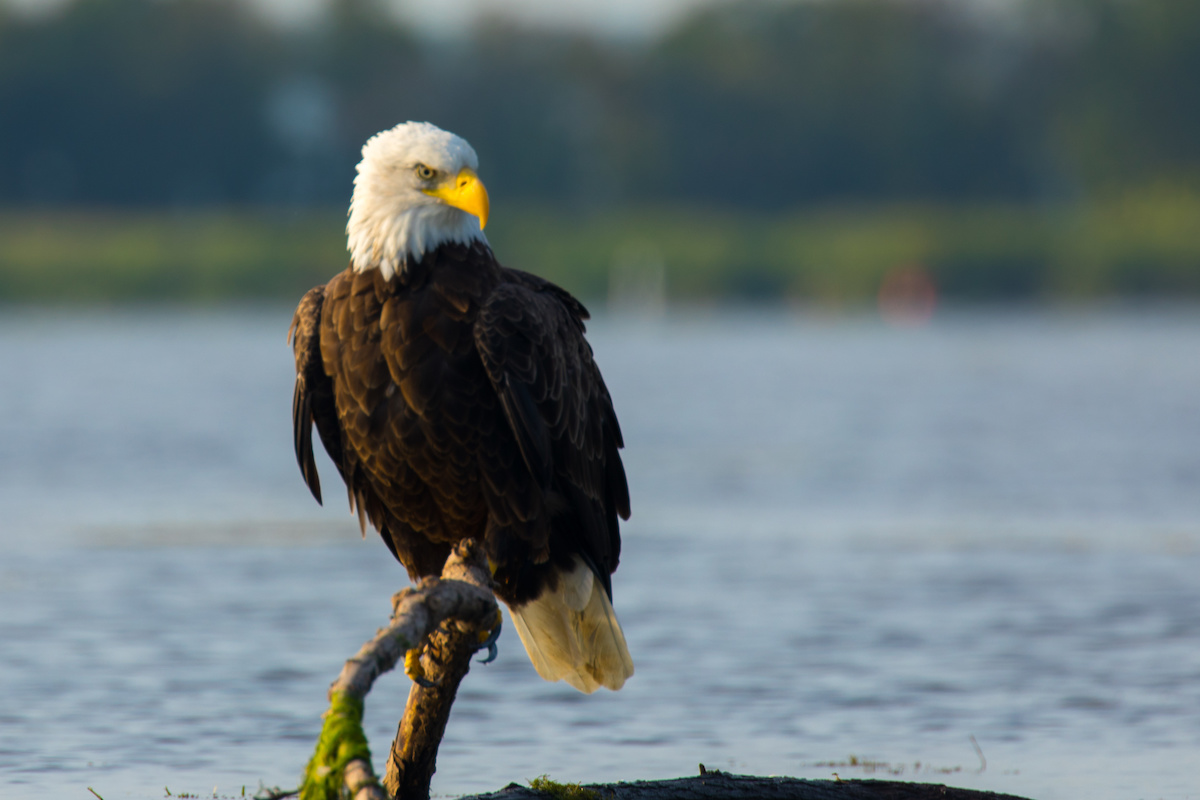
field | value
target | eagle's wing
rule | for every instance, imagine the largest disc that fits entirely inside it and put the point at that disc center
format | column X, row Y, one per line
column 312, row 400
column 329, row 327
column 529, row 334
column 313, row 403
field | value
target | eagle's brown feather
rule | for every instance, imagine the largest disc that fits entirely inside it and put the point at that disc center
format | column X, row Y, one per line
column 460, row 399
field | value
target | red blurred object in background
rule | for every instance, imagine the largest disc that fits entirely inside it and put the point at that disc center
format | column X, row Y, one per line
column 907, row 296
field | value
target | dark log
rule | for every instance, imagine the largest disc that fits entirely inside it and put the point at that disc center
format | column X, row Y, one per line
column 722, row 786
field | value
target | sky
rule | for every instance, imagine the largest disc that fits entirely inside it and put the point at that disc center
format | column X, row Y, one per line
column 447, row 17
column 442, row 18
column 620, row 17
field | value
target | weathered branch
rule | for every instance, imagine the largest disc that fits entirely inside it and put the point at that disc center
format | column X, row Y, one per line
column 461, row 594
column 449, row 611
column 445, row 661
column 722, row 786
column 361, row 783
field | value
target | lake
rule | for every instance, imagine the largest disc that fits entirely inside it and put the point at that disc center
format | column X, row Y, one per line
column 855, row 548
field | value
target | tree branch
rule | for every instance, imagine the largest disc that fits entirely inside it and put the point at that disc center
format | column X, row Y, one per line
column 445, row 661
column 449, row 612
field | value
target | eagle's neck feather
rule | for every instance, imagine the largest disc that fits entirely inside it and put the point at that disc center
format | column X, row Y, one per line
column 379, row 237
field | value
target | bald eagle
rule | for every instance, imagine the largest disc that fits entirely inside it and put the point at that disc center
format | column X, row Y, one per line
column 458, row 398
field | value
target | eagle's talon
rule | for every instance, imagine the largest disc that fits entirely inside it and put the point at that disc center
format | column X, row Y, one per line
column 489, row 641
column 414, row 670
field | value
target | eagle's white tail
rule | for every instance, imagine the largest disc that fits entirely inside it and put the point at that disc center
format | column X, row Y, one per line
column 572, row 634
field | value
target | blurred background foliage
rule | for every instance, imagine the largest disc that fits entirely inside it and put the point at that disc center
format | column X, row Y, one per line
column 1043, row 149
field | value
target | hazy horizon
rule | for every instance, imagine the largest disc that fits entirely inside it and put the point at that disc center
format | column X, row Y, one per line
column 449, row 18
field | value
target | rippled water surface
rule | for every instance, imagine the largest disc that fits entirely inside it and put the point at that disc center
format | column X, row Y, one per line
column 848, row 540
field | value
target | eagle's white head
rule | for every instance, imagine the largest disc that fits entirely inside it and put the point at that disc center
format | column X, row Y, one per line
column 416, row 189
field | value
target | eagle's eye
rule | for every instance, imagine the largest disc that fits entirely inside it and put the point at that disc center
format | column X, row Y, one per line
column 425, row 173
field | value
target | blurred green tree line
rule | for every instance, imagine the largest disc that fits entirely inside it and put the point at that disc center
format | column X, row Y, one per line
column 761, row 105
column 807, row 150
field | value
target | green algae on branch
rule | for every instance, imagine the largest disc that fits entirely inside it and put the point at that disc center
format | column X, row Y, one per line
column 341, row 741
column 563, row 791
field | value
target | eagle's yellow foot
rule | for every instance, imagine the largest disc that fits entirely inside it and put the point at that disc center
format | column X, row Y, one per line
column 493, row 630
column 414, row 670
column 487, row 638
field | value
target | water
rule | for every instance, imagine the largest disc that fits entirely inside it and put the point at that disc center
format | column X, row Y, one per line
column 847, row 540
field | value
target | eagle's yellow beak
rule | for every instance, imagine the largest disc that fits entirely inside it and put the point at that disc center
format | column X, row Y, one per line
column 465, row 192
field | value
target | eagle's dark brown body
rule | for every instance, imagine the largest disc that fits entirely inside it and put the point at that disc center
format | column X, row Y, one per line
column 460, row 399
